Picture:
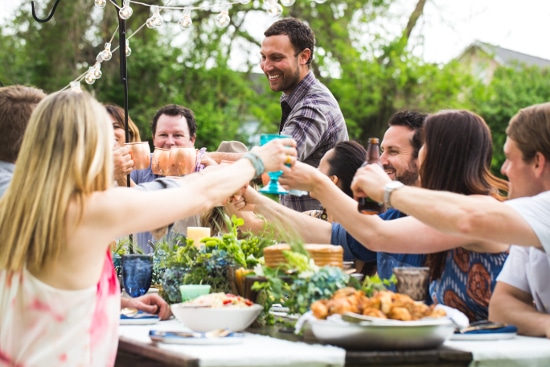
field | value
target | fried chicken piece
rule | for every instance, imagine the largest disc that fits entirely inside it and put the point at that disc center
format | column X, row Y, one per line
column 320, row 309
column 344, row 292
column 400, row 313
column 374, row 312
column 341, row 305
column 385, row 298
column 436, row 312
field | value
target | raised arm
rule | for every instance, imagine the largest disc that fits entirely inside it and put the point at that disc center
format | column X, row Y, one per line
column 116, row 212
column 287, row 221
column 404, row 235
column 479, row 217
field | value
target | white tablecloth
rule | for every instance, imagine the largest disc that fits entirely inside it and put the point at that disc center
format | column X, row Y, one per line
column 519, row 351
column 256, row 350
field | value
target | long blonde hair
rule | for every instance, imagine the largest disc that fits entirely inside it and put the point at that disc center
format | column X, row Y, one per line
column 65, row 156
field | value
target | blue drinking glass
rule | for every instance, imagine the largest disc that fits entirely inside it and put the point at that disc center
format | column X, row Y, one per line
column 273, row 187
column 137, row 272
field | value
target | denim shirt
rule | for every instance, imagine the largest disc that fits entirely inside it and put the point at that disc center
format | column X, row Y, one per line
column 353, row 249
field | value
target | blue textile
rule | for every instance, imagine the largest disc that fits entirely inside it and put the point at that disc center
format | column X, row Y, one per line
column 353, row 249
column 467, row 281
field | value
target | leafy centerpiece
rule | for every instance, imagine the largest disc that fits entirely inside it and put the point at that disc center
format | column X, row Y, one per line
column 216, row 261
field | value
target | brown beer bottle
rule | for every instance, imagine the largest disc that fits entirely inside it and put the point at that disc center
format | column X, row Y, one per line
column 367, row 205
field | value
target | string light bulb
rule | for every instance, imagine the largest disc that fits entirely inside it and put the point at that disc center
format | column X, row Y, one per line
column 222, row 19
column 97, row 70
column 244, row 2
column 75, row 87
column 128, row 50
column 106, row 54
column 186, row 21
column 125, row 12
column 274, row 9
column 288, row 2
column 89, row 78
column 100, row 3
column 156, row 19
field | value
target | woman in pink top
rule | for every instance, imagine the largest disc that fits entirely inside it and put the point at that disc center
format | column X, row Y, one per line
column 59, row 295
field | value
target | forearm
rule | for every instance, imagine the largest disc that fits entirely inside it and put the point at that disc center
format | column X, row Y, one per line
column 290, row 222
column 506, row 308
column 479, row 217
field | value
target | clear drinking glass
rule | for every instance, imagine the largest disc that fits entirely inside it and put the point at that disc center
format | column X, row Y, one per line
column 273, row 186
column 137, row 273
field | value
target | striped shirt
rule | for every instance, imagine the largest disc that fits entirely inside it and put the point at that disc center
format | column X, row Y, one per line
column 317, row 124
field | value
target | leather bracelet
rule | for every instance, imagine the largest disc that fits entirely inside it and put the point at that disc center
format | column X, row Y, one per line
column 257, row 163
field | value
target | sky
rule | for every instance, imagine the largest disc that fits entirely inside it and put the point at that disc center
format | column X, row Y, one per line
column 449, row 26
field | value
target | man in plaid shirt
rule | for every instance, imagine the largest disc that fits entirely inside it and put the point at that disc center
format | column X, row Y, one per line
column 310, row 113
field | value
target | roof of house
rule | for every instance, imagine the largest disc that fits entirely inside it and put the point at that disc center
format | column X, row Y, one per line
column 507, row 57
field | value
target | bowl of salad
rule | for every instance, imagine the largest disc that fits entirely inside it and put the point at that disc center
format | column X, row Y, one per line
column 217, row 311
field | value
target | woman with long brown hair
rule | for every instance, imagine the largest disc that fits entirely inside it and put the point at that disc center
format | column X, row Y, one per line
column 456, row 157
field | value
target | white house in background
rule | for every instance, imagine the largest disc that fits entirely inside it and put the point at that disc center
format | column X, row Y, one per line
column 483, row 59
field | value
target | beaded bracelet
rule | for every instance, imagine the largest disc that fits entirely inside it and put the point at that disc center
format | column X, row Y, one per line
column 256, row 162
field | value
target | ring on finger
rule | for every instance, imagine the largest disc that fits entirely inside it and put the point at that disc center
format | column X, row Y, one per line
column 288, row 160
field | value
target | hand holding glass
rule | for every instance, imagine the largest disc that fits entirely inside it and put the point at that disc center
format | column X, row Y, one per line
column 273, row 187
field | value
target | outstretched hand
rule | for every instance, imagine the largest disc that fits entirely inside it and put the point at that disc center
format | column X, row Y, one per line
column 302, row 176
column 278, row 154
column 370, row 181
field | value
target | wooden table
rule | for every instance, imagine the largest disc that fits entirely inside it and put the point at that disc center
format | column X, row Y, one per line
column 132, row 353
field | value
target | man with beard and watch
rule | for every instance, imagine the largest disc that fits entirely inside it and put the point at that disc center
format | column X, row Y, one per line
column 400, row 145
column 310, row 113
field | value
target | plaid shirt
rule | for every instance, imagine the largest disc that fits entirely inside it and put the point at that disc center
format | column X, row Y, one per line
column 317, row 124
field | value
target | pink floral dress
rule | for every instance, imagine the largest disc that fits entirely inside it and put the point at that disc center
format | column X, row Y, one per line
column 45, row 326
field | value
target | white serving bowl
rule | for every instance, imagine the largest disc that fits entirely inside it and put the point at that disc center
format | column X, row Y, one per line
column 204, row 319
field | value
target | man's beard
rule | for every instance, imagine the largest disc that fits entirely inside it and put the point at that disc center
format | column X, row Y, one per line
column 409, row 177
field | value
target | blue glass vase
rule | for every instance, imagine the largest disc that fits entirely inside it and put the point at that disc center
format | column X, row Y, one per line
column 137, row 272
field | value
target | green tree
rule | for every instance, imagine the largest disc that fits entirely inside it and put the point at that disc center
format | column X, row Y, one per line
column 510, row 89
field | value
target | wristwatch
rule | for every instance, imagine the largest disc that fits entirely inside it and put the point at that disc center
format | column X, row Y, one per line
column 388, row 189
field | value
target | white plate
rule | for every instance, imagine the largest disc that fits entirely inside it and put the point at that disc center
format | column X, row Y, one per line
column 148, row 321
column 405, row 335
column 139, row 318
column 173, row 338
column 486, row 336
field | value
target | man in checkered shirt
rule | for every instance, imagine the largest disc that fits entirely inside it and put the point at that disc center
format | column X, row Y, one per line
column 310, row 113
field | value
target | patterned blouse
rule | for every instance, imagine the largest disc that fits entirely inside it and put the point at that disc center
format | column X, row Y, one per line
column 44, row 326
column 467, row 281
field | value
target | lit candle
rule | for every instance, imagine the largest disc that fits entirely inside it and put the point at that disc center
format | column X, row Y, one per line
column 197, row 234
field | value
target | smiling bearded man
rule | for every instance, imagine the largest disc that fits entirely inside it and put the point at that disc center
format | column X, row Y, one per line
column 310, row 113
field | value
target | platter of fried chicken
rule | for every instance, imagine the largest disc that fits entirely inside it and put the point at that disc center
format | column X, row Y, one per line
column 385, row 321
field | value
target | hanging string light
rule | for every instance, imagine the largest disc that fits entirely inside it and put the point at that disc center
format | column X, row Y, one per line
column 273, row 8
column 97, row 70
column 185, row 22
column 125, row 12
column 106, row 54
column 89, row 78
column 156, row 19
column 75, row 87
column 222, row 20
column 128, row 50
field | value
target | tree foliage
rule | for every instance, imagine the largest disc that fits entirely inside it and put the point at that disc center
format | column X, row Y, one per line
column 371, row 72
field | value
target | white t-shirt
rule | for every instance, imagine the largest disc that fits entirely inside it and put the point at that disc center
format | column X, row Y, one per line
column 528, row 268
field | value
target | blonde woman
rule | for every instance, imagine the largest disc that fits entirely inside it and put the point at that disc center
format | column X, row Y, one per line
column 59, row 295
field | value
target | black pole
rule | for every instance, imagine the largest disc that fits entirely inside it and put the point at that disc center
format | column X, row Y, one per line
column 123, row 76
